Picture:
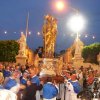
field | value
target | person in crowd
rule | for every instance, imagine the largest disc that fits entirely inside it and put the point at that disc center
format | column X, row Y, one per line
column 77, row 87
column 12, row 69
column 35, row 79
column 90, row 80
column 50, row 90
column 33, row 74
column 17, row 68
column 7, row 72
column 6, row 94
column 23, row 68
column 90, row 68
column 68, row 86
column 33, row 86
column 72, row 70
column 80, row 77
column 81, row 68
column 11, row 83
column 74, row 87
column 68, row 76
column 24, row 79
column 23, row 83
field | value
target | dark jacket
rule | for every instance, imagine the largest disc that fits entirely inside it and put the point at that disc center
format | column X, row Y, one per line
column 30, row 92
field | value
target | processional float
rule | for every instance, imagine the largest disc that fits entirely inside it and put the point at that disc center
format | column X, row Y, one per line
column 48, row 63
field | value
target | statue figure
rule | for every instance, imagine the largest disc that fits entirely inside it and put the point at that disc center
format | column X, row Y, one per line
column 49, row 35
column 78, row 51
column 22, row 42
column 22, row 57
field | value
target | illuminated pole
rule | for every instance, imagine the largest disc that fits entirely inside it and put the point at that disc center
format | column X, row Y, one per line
column 77, row 36
column 76, row 24
column 27, row 24
column 45, row 45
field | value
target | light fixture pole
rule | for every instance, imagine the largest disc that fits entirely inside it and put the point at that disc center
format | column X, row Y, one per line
column 76, row 24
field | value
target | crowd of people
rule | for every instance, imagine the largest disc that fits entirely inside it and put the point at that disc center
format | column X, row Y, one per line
column 24, row 83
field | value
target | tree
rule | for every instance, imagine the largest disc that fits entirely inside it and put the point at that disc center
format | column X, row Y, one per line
column 8, row 50
column 90, row 52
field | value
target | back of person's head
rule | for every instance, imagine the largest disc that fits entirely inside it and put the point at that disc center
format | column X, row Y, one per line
column 49, row 79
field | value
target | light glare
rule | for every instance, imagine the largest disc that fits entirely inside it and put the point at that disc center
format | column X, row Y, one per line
column 5, row 32
column 29, row 33
column 38, row 33
column 60, row 5
column 93, row 37
column 76, row 23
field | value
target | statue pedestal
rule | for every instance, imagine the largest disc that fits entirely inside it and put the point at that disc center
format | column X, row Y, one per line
column 77, row 58
column 78, row 51
column 21, row 60
column 48, row 66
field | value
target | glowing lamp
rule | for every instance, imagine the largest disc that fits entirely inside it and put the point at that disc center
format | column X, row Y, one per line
column 60, row 5
column 76, row 23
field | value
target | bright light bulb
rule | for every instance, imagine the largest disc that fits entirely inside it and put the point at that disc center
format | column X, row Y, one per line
column 38, row 33
column 29, row 33
column 22, row 32
column 5, row 32
column 86, row 36
column 60, row 5
column 93, row 37
column 76, row 23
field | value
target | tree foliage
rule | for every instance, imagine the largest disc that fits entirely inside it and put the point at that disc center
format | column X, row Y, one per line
column 8, row 50
column 90, row 52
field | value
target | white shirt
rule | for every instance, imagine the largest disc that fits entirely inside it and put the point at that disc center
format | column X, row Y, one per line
column 7, row 95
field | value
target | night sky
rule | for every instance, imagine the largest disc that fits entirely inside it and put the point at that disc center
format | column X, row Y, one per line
column 13, row 15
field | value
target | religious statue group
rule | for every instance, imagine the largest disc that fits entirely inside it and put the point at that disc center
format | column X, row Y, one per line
column 49, row 35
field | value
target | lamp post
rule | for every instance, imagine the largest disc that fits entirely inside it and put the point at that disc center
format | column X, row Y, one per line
column 76, row 24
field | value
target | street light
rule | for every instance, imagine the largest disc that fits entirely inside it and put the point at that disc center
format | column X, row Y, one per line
column 76, row 23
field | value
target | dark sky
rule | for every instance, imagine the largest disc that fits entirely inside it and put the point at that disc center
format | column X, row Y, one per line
column 13, row 15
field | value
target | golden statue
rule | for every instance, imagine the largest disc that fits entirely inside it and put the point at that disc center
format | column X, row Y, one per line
column 49, row 35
